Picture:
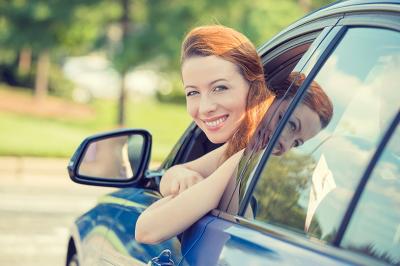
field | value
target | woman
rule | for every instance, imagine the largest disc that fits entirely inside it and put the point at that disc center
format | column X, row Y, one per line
column 226, row 97
column 225, row 105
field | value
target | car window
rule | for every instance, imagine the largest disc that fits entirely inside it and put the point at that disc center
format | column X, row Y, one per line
column 275, row 68
column 374, row 228
column 307, row 188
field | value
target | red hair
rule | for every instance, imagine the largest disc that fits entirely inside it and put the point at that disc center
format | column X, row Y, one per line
column 233, row 46
column 314, row 97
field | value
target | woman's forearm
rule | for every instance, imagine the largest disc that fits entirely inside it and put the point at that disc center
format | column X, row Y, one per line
column 177, row 214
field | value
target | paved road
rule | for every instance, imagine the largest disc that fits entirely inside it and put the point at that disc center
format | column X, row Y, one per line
column 38, row 203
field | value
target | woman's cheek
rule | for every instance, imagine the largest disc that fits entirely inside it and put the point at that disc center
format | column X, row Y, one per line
column 191, row 109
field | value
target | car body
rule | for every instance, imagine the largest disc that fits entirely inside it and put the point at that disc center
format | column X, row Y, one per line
column 333, row 201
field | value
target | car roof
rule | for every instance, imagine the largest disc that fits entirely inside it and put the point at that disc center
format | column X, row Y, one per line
column 356, row 4
column 349, row 6
column 338, row 7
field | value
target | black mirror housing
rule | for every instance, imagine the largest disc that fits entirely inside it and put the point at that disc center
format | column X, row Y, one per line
column 117, row 158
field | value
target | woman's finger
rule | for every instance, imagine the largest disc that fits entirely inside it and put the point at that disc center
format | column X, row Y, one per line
column 182, row 187
column 174, row 187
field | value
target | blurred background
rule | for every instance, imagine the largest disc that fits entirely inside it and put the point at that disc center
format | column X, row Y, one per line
column 69, row 69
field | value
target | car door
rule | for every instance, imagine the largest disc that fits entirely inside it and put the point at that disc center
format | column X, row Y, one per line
column 121, row 209
column 120, row 247
column 302, row 201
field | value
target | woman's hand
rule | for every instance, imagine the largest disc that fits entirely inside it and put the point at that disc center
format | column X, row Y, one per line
column 177, row 179
column 185, row 179
column 183, row 210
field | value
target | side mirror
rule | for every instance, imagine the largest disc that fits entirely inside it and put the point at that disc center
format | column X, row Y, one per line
column 117, row 159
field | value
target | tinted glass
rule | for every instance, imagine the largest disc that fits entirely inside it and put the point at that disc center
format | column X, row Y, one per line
column 307, row 189
column 375, row 225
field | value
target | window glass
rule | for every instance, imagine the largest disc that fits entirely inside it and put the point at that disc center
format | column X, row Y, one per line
column 322, row 152
column 374, row 228
column 276, row 70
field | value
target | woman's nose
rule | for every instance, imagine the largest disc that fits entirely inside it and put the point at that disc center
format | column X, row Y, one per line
column 207, row 105
column 285, row 141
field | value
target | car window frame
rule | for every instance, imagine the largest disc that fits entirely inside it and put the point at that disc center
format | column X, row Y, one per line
column 327, row 45
column 333, row 247
column 342, row 27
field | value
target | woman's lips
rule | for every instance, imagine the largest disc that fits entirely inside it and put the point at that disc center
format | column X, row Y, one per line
column 215, row 123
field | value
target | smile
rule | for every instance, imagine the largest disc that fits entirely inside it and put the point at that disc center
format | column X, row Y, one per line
column 213, row 123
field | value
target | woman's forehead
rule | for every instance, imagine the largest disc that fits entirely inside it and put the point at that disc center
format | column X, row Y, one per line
column 207, row 68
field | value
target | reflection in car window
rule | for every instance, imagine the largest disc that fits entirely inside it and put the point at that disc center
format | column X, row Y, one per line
column 375, row 226
column 308, row 188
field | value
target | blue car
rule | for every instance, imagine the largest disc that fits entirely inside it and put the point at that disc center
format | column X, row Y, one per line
column 335, row 200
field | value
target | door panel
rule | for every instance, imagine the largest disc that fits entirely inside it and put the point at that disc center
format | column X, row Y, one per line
column 226, row 243
column 120, row 247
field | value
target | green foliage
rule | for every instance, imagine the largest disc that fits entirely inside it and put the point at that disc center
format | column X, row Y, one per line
column 174, row 93
column 40, row 24
column 158, row 27
column 279, row 189
column 58, row 84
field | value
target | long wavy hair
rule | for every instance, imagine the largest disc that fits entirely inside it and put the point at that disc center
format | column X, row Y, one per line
column 233, row 46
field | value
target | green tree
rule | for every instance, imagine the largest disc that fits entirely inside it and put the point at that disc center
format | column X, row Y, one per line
column 46, row 29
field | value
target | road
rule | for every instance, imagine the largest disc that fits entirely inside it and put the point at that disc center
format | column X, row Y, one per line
column 38, row 203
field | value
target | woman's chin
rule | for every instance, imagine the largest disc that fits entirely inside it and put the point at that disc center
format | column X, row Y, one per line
column 217, row 138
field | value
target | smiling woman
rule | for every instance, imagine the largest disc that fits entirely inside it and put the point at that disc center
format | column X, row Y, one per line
column 226, row 97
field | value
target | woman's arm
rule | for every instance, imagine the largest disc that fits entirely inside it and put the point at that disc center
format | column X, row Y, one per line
column 179, row 177
column 176, row 214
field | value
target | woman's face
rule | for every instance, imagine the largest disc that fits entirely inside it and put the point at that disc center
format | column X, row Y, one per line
column 216, row 95
column 301, row 126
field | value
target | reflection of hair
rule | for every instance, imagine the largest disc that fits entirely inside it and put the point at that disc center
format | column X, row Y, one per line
column 233, row 46
column 314, row 97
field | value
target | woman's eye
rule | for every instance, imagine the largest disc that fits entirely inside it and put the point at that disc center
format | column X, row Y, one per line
column 220, row 88
column 191, row 93
column 296, row 143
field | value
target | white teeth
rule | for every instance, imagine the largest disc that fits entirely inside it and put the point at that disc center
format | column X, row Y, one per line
column 215, row 122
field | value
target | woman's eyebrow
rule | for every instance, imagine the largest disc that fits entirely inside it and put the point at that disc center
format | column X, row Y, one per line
column 190, row 86
column 211, row 83
column 217, row 80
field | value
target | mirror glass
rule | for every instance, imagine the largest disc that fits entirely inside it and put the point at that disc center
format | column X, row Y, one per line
column 117, row 157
